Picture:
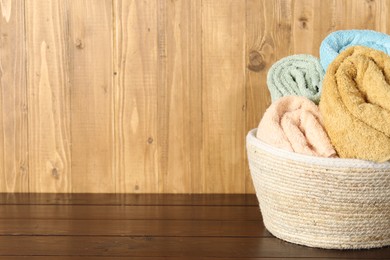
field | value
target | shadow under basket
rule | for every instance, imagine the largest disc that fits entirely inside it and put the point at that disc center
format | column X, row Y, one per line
column 321, row 202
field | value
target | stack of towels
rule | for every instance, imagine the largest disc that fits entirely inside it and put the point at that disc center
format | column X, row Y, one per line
column 335, row 106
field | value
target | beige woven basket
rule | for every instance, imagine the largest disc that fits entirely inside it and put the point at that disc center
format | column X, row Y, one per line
column 321, row 202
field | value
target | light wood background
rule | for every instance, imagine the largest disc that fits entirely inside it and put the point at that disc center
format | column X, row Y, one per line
column 147, row 95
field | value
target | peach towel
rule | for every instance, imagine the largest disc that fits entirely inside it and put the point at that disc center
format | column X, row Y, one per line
column 294, row 124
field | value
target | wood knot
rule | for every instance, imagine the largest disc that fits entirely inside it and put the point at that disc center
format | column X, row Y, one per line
column 150, row 140
column 3, row 38
column 23, row 169
column 136, row 187
column 256, row 61
column 79, row 44
column 104, row 87
column 55, row 174
column 303, row 22
column 24, row 108
column 284, row 27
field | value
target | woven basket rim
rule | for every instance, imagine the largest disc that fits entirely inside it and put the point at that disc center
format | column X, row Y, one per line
column 338, row 162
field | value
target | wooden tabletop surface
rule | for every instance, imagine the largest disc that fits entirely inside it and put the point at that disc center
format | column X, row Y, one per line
column 102, row 226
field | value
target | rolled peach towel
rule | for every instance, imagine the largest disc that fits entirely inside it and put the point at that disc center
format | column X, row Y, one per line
column 294, row 124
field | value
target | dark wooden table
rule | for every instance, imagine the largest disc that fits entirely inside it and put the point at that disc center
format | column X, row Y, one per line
column 101, row 226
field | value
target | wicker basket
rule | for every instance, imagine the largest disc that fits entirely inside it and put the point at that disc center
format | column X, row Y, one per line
column 321, row 202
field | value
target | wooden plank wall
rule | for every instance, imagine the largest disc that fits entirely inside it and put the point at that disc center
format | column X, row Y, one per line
column 129, row 96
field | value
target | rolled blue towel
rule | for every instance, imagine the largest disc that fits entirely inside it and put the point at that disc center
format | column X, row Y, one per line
column 338, row 41
column 296, row 75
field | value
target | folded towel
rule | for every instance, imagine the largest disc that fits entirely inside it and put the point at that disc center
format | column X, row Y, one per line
column 299, row 75
column 294, row 124
column 355, row 104
column 338, row 41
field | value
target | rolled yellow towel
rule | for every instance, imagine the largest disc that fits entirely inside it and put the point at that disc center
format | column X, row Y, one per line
column 355, row 104
column 293, row 123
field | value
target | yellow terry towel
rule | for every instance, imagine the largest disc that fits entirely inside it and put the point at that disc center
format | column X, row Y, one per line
column 355, row 104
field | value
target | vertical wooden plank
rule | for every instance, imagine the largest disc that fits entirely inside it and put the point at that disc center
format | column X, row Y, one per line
column 336, row 15
column 384, row 19
column 303, row 26
column 91, row 75
column 193, row 58
column 324, row 21
column 354, row 14
column 13, row 98
column 364, row 14
column 269, row 31
column 135, row 114
column 313, row 20
column 329, row 16
column 179, row 99
column 269, row 38
column 223, row 95
column 48, row 96
column 162, row 93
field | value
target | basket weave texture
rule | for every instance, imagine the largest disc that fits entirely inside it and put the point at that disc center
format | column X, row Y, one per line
column 321, row 202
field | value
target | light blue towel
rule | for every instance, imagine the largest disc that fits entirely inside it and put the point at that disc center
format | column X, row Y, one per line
column 296, row 75
column 338, row 41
